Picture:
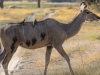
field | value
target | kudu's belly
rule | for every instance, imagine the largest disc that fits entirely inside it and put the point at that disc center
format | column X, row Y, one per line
column 32, row 47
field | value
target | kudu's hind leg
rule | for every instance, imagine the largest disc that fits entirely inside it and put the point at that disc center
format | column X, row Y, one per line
column 63, row 54
column 5, row 63
column 47, row 58
column 8, row 57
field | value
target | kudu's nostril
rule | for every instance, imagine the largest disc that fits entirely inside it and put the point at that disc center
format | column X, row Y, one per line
column 98, row 17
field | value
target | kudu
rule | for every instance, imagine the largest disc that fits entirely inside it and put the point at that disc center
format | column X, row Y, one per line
column 49, row 33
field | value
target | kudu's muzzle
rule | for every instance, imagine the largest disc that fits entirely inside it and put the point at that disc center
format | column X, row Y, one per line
column 98, row 18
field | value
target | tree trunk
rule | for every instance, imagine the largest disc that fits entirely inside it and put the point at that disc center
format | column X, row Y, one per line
column 1, row 3
column 39, row 1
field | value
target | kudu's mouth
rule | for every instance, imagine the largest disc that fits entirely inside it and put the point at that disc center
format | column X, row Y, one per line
column 98, row 19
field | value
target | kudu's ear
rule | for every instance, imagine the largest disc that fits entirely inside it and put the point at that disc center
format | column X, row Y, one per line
column 83, row 6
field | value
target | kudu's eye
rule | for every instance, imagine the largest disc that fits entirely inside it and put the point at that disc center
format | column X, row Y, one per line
column 87, row 12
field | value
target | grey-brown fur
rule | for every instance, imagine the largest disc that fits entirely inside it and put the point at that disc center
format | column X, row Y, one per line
column 53, row 33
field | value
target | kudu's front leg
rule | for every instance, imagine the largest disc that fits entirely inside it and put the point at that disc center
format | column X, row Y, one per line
column 47, row 58
column 63, row 54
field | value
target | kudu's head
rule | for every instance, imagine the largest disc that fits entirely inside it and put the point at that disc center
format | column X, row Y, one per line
column 88, row 15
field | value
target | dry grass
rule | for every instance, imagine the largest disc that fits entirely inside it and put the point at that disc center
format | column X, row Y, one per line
column 14, row 14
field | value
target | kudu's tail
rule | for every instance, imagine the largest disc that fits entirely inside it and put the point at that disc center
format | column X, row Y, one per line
column 2, row 55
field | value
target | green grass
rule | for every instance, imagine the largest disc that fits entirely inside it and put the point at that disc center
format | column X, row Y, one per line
column 21, row 5
column 92, row 36
column 35, row 5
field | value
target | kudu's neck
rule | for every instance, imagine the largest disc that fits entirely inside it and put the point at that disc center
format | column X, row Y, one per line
column 74, row 26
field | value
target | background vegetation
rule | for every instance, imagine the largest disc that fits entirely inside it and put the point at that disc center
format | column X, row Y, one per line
column 94, row 3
